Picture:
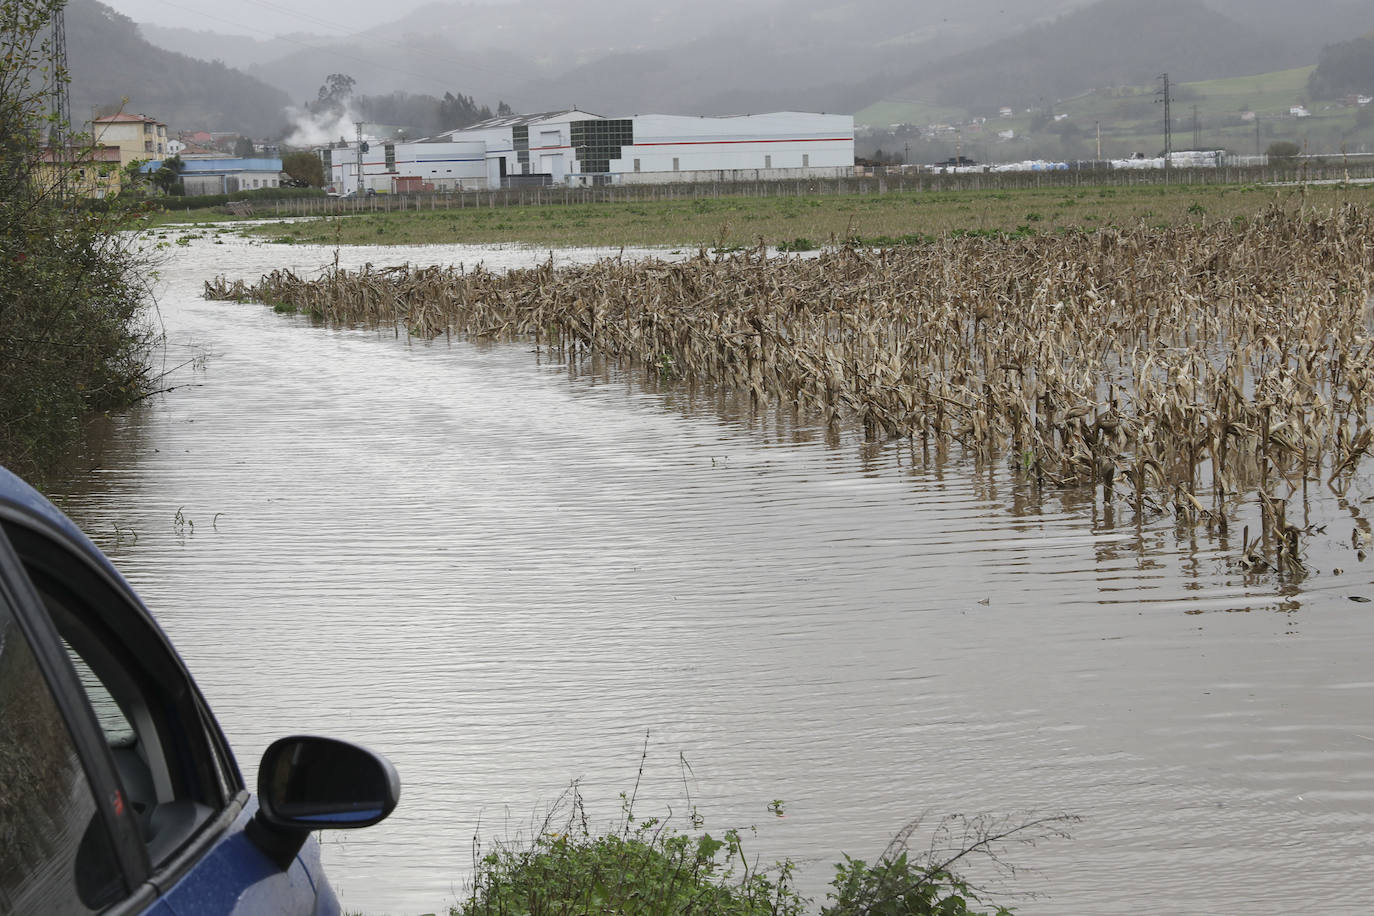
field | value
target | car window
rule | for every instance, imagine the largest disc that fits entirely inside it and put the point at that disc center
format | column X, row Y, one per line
column 149, row 744
column 113, row 724
column 172, row 765
column 55, row 852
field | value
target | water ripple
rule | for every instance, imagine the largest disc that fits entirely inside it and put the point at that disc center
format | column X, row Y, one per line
column 503, row 575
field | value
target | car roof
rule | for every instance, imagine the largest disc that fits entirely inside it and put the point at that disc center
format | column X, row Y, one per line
column 20, row 503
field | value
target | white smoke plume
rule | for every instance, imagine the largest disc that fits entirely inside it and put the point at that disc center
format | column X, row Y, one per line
column 311, row 130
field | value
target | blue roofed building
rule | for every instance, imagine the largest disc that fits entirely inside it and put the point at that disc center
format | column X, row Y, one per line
column 225, row 176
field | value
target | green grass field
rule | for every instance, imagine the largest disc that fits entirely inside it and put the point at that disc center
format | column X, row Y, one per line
column 805, row 222
column 1266, row 93
column 899, row 111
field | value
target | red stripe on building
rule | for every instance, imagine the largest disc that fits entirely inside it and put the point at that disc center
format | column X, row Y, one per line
column 713, row 142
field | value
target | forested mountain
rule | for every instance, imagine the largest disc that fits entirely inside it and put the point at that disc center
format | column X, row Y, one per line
column 110, row 61
column 1111, row 43
column 1343, row 69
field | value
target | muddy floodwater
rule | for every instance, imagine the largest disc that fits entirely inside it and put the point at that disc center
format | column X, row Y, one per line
column 504, row 574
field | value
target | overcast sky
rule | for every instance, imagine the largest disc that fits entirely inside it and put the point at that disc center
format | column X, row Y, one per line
column 265, row 18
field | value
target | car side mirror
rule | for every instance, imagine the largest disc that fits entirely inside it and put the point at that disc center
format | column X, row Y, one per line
column 307, row 783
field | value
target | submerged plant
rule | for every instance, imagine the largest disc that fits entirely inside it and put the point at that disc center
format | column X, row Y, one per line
column 1176, row 368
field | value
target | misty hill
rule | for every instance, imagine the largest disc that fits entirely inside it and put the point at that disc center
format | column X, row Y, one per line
column 714, row 56
column 1111, row 43
column 485, row 49
column 810, row 55
column 1304, row 28
column 725, row 57
column 238, row 51
column 425, row 64
column 557, row 36
column 109, row 61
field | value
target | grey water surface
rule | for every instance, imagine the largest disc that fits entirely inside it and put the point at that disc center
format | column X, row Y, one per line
column 504, row 575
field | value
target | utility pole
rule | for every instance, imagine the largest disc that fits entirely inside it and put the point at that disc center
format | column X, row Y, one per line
column 1197, row 130
column 59, row 142
column 1097, row 125
column 906, row 153
column 57, row 77
column 1168, row 124
column 359, row 125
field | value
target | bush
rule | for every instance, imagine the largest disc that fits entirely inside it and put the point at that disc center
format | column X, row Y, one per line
column 646, row 868
column 1283, row 150
column 926, row 884
column 640, row 868
column 206, row 201
column 72, row 335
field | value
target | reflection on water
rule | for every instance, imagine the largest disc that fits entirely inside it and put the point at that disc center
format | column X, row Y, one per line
column 502, row 573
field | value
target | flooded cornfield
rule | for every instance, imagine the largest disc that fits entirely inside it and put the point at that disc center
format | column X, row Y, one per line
column 503, row 567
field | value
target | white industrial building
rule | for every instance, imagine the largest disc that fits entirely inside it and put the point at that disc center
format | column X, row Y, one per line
column 785, row 144
column 579, row 148
column 411, row 166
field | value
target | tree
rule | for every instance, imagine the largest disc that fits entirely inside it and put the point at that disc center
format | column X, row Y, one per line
column 334, row 95
column 503, row 110
column 168, row 175
column 132, row 178
column 243, row 148
column 1282, row 150
column 305, row 167
column 461, row 110
column 72, row 333
column 1344, row 69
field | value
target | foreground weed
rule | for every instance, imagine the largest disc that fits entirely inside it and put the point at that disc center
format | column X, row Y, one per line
column 646, row 868
column 639, row 868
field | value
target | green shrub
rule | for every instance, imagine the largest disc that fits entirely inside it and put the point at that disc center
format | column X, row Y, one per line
column 927, row 884
column 1283, row 150
column 205, row 201
column 639, row 868
column 646, row 868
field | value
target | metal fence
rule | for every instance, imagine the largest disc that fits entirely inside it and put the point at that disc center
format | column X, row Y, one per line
column 880, row 182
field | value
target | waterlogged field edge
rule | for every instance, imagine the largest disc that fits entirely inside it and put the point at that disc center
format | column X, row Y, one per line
column 801, row 222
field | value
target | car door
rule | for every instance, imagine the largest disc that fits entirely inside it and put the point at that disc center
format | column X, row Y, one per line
column 68, row 842
column 143, row 808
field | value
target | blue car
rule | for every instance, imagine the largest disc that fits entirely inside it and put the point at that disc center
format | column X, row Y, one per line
column 118, row 791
